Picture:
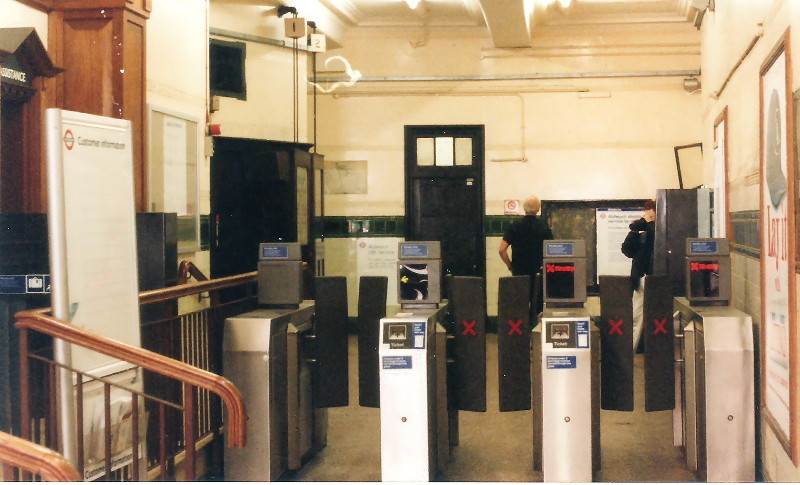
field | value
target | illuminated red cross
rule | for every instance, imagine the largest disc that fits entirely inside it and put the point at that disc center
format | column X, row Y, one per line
column 661, row 326
column 515, row 327
column 469, row 328
column 616, row 327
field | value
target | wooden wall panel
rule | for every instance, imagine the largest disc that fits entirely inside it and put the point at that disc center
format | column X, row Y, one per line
column 88, row 82
column 134, row 85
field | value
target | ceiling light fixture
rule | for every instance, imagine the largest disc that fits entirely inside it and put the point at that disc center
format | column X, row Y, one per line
column 413, row 3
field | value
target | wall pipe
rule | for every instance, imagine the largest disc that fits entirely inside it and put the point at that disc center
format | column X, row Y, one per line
column 517, row 77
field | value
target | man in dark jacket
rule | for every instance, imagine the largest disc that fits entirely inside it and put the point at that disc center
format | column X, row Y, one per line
column 526, row 237
column 642, row 264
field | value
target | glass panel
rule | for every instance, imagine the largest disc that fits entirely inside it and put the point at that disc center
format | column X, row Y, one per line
column 444, row 151
column 424, row 152
column 463, row 151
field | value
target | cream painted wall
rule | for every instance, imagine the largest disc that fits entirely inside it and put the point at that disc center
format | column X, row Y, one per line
column 577, row 148
column 15, row 14
column 268, row 111
column 727, row 33
column 177, row 81
column 583, row 138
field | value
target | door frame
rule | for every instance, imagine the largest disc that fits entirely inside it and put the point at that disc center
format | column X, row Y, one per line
column 475, row 171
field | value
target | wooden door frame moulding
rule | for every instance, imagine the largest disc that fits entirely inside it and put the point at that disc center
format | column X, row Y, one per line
column 723, row 118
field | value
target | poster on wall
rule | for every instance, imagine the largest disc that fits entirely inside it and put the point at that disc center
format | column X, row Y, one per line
column 777, row 257
column 612, row 227
column 377, row 256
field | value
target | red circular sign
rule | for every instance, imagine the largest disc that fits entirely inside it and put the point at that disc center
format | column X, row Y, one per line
column 69, row 139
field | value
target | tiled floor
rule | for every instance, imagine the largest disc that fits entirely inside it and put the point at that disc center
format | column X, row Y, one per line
column 497, row 447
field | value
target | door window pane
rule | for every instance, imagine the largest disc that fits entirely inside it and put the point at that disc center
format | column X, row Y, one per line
column 463, row 151
column 444, row 151
column 425, row 152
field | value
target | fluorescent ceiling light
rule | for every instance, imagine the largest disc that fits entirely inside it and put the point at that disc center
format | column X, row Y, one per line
column 413, row 3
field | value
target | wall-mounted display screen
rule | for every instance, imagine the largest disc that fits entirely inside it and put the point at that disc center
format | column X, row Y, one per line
column 704, row 279
column 560, row 280
column 414, row 279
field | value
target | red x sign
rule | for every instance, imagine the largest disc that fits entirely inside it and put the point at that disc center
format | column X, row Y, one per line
column 661, row 326
column 469, row 328
column 616, row 327
column 515, row 327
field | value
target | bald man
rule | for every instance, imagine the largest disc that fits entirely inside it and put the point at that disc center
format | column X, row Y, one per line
column 525, row 237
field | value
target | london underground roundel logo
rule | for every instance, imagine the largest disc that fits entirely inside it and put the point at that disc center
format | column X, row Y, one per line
column 69, row 139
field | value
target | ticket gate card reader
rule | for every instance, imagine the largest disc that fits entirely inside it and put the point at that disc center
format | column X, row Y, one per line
column 564, row 267
column 708, row 271
column 280, row 274
column 413, row 395
column 419, row 272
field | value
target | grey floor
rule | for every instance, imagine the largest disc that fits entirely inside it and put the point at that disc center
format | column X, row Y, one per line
column 496, row 447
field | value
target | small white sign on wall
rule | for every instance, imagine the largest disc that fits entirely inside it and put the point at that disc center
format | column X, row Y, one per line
column 512, row 207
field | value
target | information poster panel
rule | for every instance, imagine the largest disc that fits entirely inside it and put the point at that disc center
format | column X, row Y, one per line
column 612, row 227
column 93, row 231
column 777, row 264
column 378, row 257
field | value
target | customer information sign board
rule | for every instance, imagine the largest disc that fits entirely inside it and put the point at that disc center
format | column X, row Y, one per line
column 92, row 228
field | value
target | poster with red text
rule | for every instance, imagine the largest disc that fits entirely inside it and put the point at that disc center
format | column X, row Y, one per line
column 777, row 286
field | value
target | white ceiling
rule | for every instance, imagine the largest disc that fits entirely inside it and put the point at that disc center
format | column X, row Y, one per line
column 512, row 23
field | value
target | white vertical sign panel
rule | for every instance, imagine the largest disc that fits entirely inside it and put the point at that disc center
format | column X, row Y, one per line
column 93, row 230
column 612, row 227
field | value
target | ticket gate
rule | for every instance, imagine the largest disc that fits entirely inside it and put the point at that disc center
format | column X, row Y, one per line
column 565, row 356
column 714, row 416
column 288, row 358
column 427, row 370
column 413, row 395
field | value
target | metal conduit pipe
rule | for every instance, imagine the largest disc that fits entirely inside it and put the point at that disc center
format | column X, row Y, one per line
column 516, row 77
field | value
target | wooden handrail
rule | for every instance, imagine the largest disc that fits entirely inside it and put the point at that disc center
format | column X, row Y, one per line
column 236, row 426
column 37, row 459
column 189, row 289
column 188, row 269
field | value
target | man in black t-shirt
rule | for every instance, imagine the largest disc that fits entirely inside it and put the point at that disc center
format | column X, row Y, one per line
column 526, row 237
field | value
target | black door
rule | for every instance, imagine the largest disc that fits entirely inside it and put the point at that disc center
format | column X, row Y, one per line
column 445, row 195
column 253, row 200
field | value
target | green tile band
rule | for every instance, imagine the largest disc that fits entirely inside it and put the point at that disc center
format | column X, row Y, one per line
column 746, row 237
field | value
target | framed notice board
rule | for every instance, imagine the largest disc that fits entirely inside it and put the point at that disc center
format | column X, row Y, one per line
column 172, row 172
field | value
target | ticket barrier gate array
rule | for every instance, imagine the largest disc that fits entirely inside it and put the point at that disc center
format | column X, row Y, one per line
column 288, row 358
column 431, row 362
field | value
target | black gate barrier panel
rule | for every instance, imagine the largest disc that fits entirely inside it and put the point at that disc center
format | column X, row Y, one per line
column 371, row 308
column 514, row 343
column 468, row 379
column 616, row 337
column 330, row 344
column 659, row 341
